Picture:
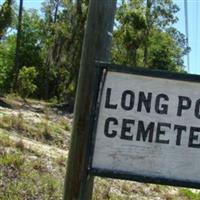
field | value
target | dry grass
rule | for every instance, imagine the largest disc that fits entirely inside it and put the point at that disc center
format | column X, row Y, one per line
column 47, row 131
column 23, row 179
column 26, row 175
column 15, row 122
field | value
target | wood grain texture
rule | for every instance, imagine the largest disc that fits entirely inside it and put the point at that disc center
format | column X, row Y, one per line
column 166, row 160
column 96, row 46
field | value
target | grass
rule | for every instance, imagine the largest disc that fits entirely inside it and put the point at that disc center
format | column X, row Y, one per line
column 15, row 122
column 26, row 175
column 45, row 131
column 22, row 178
column 5, row 140
column 189, row 195
column 38, row 126
column 15, row 100
column 14, row 160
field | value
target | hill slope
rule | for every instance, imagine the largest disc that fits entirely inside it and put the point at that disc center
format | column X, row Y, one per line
column 34, row 142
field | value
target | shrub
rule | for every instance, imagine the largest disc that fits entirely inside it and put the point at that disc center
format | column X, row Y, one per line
column 25, row 81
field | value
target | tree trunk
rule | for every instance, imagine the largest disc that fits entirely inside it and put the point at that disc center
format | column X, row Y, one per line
column 148, row 19
column 96, row 46
column 134, row 57
column 17, row 51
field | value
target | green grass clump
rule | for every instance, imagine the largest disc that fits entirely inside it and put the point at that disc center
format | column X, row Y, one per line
column 12, row 159
column 187, row 194
column 27, row 179
column 5, row 140
column 13, row 122
column 48, row 132
column 64, row 124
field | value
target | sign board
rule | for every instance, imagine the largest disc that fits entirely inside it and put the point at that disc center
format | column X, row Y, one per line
column 147, row 126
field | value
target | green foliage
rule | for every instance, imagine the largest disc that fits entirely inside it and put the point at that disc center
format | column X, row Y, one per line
column 25, row 81
column 5, row 17
column 52, row 43
column 7, row 52
column 30, row 53
column 129, row 36
column 145, row 37
column 163, row 52
column 63, row 26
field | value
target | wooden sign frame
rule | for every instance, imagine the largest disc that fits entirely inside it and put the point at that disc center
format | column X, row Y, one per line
column 101, row 71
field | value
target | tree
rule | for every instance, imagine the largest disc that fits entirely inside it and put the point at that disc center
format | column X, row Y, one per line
column 52, row 43
column 7, row 52
column 30, row 53
column 18, row 43
column 5, row 17
column 64, row 25
column 159, row 14
column 144, row 37
column 130, row 32
column 31, row 40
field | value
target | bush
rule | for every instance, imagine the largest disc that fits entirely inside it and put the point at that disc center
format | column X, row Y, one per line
column 25, row 81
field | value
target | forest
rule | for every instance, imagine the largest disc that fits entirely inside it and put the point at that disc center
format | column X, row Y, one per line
column 40, row 50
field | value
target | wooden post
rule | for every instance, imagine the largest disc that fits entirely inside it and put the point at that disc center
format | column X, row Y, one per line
column 96, row 46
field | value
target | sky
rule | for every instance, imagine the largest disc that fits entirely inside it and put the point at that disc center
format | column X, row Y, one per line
column 193, row 29
column 193, row 32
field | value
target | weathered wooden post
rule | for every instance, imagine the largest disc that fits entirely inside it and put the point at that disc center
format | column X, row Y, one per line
column 96, row 46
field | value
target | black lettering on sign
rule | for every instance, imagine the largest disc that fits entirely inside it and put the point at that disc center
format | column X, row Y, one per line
column 197, row 109
column 161, row 108
column 193, row 137
column 108, row 121
column 179, row 129
column 144, row 133
column 143, row 100
column 162, row 132
column 184, row 103
column 126, row 128
column 128, row 98
column 108, row 104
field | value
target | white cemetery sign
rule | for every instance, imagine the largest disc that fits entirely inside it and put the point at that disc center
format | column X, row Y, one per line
column 147, row 126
